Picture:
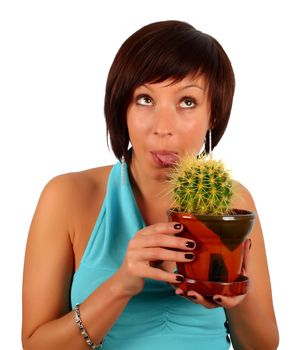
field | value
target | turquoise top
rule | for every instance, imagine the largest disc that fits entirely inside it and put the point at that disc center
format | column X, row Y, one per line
column 156, row 318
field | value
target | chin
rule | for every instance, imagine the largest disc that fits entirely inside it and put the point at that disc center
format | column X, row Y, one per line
column 160, row 174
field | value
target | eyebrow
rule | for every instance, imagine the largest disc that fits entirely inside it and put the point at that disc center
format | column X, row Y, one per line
column 192, row 85
column 182, row 88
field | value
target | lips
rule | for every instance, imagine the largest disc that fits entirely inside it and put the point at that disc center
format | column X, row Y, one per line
column 164, row 159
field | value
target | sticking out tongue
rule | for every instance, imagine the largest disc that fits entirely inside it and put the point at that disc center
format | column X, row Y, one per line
column 166, row 159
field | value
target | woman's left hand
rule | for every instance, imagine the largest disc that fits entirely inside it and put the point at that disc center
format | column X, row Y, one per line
column 220, row 300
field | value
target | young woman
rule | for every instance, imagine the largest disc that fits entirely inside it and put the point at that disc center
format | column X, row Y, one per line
column 100, row 256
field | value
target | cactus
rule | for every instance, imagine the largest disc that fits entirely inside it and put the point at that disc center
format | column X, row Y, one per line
column 201, row 186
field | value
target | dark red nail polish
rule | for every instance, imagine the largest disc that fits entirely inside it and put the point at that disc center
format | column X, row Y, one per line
column 177, row 226
column 190, row 244
column 179, row 278
column 250, row 244
column 189, row 256
column 218, row 300
column 192, row 297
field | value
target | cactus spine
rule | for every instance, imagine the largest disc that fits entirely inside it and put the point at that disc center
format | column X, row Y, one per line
column 201, row 186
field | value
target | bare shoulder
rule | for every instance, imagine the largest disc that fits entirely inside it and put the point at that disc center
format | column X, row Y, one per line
column 78, row 184
column 76, row 197
column 76, row 187
column 66, row 201
column 242, row 197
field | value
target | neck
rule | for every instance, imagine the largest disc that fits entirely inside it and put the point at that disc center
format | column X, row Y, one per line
column 147, row 187
column 151, row 193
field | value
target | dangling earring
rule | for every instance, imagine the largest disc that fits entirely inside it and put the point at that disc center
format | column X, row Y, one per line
column 210, row 141
column 207, row 145
column 123, row 170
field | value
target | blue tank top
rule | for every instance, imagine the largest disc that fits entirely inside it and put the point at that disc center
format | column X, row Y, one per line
column 156, row 318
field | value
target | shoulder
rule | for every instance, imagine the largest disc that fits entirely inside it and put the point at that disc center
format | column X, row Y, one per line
column 242, row 198
column 66, row 195
column 77, row 185
column 88, row 177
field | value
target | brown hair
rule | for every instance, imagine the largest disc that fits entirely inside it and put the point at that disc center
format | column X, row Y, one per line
column 161, row 51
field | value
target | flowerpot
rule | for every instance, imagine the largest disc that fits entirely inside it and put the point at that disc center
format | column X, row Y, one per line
column 217, row 266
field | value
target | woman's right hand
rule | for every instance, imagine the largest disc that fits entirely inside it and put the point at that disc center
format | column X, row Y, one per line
column 156, row 242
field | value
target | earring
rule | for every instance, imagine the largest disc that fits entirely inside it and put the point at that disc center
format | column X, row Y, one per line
column 210, row 141
column 123, row 170
column 207, row 145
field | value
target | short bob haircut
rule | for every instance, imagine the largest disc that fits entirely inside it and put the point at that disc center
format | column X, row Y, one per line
column 160, row 51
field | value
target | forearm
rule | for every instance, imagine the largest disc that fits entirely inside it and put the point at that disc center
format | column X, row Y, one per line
column 99, row 312
column 251, row 328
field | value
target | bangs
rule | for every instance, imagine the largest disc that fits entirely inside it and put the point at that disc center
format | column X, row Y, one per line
column 171, row 55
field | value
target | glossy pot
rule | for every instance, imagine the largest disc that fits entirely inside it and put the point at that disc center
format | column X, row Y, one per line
column 219, row 251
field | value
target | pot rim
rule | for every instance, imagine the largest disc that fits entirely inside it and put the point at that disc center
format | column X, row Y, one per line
column 235, row 215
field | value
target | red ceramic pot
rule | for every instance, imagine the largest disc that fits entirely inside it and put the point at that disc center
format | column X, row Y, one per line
column 219, row 251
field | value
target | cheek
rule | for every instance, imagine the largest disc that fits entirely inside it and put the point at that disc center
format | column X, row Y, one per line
column 193, row 134
column 139, row 124
column 196, row 141
column 137, row 129
column 195, row 129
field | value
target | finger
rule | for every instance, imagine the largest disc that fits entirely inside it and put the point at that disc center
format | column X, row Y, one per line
column 199, row 299
column 168, row 228
column 179, row 291
column 246, row 257
column 163, row 240
column 159, row 275
column 228, row 302
column 153, row 254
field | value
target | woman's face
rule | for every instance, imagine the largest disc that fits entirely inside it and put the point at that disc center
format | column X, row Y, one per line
column 166, row 121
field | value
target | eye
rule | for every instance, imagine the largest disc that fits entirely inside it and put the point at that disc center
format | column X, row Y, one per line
column 144, row 100
column 188, row 102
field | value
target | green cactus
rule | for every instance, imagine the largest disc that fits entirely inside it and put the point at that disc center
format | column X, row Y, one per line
column 201, row 186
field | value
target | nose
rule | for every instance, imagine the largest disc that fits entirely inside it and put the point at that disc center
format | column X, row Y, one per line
column 164, row 122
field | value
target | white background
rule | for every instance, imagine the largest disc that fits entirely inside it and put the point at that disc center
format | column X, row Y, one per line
column 54, row 59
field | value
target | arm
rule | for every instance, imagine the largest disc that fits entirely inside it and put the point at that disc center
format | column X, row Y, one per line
column 48, row 322
column 252, row 322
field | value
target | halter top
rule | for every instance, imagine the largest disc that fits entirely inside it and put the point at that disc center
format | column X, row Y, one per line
column 156, row 318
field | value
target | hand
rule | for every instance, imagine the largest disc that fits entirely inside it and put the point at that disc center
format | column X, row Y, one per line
column 220, row 300
column 149, row 245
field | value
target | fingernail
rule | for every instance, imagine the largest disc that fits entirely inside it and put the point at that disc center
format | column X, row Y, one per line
column 190, row 244
column 189, row 256
column 177, row 226
column 250, row 244
column 218, row 300
column 192, row 297
column 179, row 278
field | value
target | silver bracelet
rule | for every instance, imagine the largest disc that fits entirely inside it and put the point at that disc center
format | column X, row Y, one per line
column 83, row 331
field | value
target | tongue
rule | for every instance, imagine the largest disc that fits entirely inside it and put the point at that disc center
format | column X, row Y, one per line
column 167, row 159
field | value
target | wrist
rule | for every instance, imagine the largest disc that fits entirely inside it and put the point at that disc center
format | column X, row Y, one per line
column 123, row 287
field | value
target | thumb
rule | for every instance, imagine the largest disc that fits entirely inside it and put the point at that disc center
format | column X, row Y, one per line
column 246, row 256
